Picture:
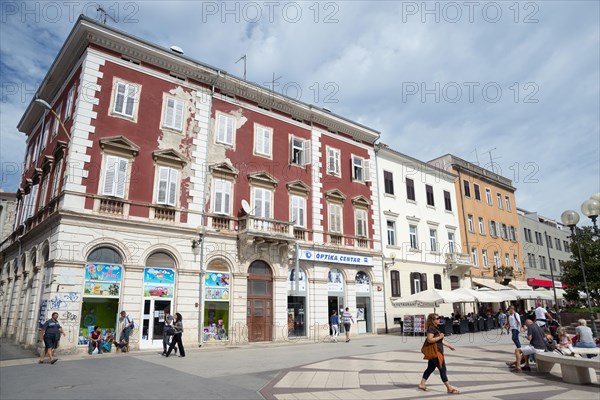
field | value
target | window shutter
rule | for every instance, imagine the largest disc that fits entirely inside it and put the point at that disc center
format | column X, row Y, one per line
column 259, row 141
column 229, row 130
column 178, row 115
column 108, row 188
column 306, row 156
column 163, row 181
column 173, row 176
column 169, row 112
column 267, row 144
column 218, row 199
column 130, row 100
column 120, row 98
column 267, row 196
column 222, row 128
column 423, row 282
column 367, row 170
column 292, row 151
column 226, row 197
column 121, row 177
column 412, row 282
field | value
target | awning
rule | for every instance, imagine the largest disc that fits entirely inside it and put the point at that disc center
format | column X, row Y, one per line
column 483, row 296
column 560, row 294
column 520, row 285
column 490, row 283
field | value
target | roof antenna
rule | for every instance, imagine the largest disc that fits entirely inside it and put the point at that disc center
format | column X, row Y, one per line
column 103, row 14
column 244, row 58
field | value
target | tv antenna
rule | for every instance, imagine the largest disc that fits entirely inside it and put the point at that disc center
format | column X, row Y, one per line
column 491, row 159
column 243, row 58
column 103, row 15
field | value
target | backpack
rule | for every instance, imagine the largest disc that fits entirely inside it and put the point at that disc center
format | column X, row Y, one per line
column 132, row 323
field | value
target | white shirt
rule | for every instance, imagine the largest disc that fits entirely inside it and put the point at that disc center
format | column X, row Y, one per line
column 514, row 321
column 540, row 313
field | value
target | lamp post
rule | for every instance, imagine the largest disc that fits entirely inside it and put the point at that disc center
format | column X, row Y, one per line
column 198, row 250
column 591, row 209
column 48, row 107
column 386, row 266
column 548, row 239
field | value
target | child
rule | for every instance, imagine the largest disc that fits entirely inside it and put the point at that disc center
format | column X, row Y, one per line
column 564, row 341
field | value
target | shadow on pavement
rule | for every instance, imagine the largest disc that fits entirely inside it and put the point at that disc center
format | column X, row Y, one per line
column 12, row 351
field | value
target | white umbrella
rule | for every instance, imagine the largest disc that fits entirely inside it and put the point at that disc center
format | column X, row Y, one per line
column 433, row 297
column 482, row 296
column 504, row 295
column 546, row 294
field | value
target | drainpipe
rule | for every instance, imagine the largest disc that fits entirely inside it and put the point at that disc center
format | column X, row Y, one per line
column 381, row 236
column 462, row 206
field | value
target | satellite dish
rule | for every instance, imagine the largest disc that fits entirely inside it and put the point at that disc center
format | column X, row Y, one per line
column 246, row 207
column 177, row 49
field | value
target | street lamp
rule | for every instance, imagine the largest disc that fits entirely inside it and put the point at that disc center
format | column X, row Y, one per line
column 44, row 104
column 198, row 250
column 591, row 209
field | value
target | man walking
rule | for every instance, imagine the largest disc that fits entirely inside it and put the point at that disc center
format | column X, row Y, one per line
column 347, row 320
column 541, row 315
column 50, row 330
column 514, row 322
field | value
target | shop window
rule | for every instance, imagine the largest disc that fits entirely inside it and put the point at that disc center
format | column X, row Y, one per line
column 296, row 303
column 216, row 310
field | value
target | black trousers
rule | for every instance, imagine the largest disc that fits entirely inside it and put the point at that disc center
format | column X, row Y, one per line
column 176, row 341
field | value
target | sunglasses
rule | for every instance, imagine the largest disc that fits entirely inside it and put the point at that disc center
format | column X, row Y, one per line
column 437, row 318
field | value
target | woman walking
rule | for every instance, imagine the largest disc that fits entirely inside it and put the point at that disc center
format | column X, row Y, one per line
column 176, row 341
column 335, row 325
column 435, row 336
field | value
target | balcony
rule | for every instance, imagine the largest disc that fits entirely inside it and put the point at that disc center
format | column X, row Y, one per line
column 503, row 275
column 219, row 222
column 300, row 233
column 164, row 214
column 337, row 240
column 266, row 230
column 362, row 243
column 112, row 206
column 457, row 263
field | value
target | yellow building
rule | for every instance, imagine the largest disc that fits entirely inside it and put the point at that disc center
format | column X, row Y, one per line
column 488, row 222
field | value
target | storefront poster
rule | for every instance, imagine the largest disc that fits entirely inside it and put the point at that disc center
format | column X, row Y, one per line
column 217, row 294
column 161, row 276
column 101, row 289
column 297, row 282
column 163, row 292
column 335, row 281
column 216, row 279
column 103, row 272
column 363, row 284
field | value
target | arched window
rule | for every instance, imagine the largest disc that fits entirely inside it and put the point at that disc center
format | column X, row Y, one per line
column 160, row 260
column 105, row 255
column 362, row 282
column 33, row 257
column 395, row 281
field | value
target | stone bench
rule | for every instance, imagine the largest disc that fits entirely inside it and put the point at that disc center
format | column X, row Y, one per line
column 573, row 369
column 586, row 351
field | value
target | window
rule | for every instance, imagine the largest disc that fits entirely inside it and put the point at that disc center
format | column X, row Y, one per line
column 503, row 231
column 262, row 202
column 507, row 200
column 474, row 256
column 69, row 104
column 451, row 248
column 167, row 186
column 56, row 178
column 496, row 259
column 388, row 182
column 538, row 239
column 419, row 282
column 553, row 264
column 262, row 140
column 335, row 218
column 531, row 260
column 454, row 283
column 516, row 260
column 222, row 197
column 507, row 259
column 447, row 201
column 437, row 281
column 527, row 237
column 115, row 174
column 467, row 188
column 476, row 190
column 360, row 169
column 499, row 198
column 548, row 241
column 484, row 257
column 481, row 226
column 225, row 129
column 173, row 113
column 410, row 189
column 470, row 220
column 298, row 204
column 488, row 196
column 44, row 191
column 429, row 194
column 557, row 241
column 125, row 98
column 412, row 234
column 46, row 134
column 333, row 161
column 395, row 281
column 391, row 233
column 360, row 216
column 433, row 240
column 493, row 231
column 511, row 232
column 299, row 151
column 56, row 122
column 543, row 262
column 566, row 246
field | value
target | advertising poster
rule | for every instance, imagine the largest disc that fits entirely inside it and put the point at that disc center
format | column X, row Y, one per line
column 216, row 286
column 297, row 280
column 102, row 280
column 159, row 283
column 363, row 284
column 335, row 281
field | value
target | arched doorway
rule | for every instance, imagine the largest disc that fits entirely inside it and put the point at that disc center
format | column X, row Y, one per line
column 259, row 313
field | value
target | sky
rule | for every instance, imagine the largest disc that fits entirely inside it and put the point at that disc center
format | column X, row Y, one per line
column 512, row 86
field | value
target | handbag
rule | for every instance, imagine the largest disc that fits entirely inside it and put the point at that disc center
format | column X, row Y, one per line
column 170, row 331
column 430, row 352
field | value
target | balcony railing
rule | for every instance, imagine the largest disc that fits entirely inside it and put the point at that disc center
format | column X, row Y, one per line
column 336, row 239
column 300, row 233
column 111, row 206
column 362, row 242
column 164, row 214
column 265, row 227
column 220, row 222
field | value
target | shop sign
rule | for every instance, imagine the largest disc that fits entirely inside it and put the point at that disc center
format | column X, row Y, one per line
column 338, row 258
column 216, row 286
column 159, row 282
column 102, row 280
column 297, row 282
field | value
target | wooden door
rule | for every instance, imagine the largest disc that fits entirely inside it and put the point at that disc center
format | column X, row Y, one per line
column 259, row 313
